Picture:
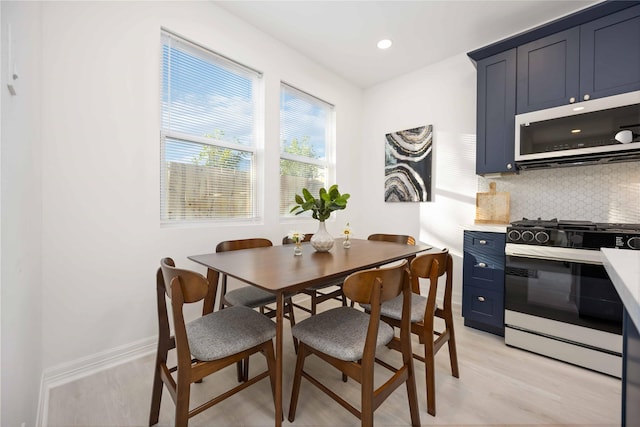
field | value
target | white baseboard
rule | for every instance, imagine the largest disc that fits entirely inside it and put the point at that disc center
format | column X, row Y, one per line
column 85, row 366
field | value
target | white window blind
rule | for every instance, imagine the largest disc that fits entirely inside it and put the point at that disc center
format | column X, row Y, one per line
column 306, row 144
column 208, row 134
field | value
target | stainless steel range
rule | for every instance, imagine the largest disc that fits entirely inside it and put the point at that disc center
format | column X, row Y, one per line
column 559, row 300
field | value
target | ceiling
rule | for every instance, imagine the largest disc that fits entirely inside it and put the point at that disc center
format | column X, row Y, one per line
column 342, row 35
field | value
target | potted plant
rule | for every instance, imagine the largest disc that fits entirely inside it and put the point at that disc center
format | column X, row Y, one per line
column 321, row 208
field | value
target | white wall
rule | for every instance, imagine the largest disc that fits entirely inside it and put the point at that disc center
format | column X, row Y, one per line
column 21, row 217
column 101, row 237
column 443, row 95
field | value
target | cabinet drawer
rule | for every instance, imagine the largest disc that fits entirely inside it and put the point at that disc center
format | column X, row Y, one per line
column 483, row 306
column 485, row 243
column 483, row 274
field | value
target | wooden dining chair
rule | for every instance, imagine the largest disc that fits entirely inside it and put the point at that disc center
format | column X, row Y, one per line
column 424, row 310
column 347, row 339
column 321, row 293
column 397, row 238
column 205, row 345
column 250, row 296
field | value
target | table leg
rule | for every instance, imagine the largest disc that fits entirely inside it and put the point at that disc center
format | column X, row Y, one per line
column 279, row 325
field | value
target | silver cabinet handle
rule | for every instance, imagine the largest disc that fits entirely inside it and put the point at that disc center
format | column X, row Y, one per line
column 572, row 100
column 482, row 242
column 481, row 299
column 482, row 264
column 586, row 97
column 509, row 166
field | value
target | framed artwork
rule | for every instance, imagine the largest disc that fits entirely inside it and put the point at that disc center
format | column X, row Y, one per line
column 407, row 170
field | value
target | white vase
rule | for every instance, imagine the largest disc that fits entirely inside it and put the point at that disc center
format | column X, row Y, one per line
column 322, row 241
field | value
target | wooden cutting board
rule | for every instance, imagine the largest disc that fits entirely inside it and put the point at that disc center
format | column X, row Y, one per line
column 492, row 207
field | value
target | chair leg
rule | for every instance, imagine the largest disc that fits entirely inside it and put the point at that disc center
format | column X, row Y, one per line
column 429, row 363
column 292, row 321
column 314, row 303
column 269, row 354
column 156, row 394
column 245, row 370
column 297, row 379
column 453, row 353
column 366, row 396
column 240, row 371
column 412, row 393
column 183, row 390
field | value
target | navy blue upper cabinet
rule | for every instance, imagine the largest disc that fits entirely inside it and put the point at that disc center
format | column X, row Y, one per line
column 596, row 59
column 610, row 54
column 496, row 109
column 548, row 71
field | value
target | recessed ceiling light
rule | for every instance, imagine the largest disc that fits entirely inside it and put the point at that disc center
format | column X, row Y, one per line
column 576, row 130
column 384, row 44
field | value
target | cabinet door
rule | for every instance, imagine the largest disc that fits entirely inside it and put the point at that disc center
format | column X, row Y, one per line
column 610, row 55
column 481, row 307
column 548, row 71
column 496, row 110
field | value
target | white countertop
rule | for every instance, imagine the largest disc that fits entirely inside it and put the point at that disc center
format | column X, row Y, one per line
column 623, row 267
column 491, row 228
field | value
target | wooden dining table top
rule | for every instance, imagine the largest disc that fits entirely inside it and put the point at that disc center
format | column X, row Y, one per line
column 276, row 269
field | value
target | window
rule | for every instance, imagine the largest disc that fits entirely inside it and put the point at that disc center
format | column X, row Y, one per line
column 208, row 134
column 306, row 145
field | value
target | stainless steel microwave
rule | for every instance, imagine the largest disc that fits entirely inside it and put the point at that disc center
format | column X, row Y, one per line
column 602, row 130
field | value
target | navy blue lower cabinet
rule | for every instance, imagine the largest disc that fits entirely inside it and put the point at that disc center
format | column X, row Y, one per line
column 483, row 281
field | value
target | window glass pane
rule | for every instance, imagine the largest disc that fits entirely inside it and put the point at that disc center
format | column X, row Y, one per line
column 204, row 181
column 208, row 120
column 304, row 123
column 294, row 176
column 306, row 141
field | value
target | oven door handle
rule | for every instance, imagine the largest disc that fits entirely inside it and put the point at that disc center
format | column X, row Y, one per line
column 582, row 256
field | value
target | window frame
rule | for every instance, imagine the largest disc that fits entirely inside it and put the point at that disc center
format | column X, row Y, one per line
column 329, row 161
column 256, row 149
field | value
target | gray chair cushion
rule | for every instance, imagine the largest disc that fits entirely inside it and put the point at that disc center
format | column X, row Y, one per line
column 228, row 331
column 340, row 332
column 249, row 296
column 393, row 308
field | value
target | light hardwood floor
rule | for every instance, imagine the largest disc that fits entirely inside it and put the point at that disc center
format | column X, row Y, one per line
column 498, row 385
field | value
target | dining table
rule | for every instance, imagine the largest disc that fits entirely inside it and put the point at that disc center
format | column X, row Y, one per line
column 276, row 269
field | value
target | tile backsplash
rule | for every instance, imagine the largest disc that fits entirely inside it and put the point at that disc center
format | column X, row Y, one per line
column 599, row 193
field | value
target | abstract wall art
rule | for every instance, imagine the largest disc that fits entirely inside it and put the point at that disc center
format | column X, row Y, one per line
column 408, row 166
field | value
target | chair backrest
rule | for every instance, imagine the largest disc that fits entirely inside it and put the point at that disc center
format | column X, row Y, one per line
column 360, row 285
column 193, row 286
column 374, row 287
column 234, row 245
column 432, row 266
column 396, row 238
column 287, row 241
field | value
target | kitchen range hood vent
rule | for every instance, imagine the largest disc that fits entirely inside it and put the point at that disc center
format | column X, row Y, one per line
column 581, row 160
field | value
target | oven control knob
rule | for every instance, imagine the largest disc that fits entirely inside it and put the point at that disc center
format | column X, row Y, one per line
column 527, row 236
column 634, row 243
column 514, row 235
column 542, row 237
